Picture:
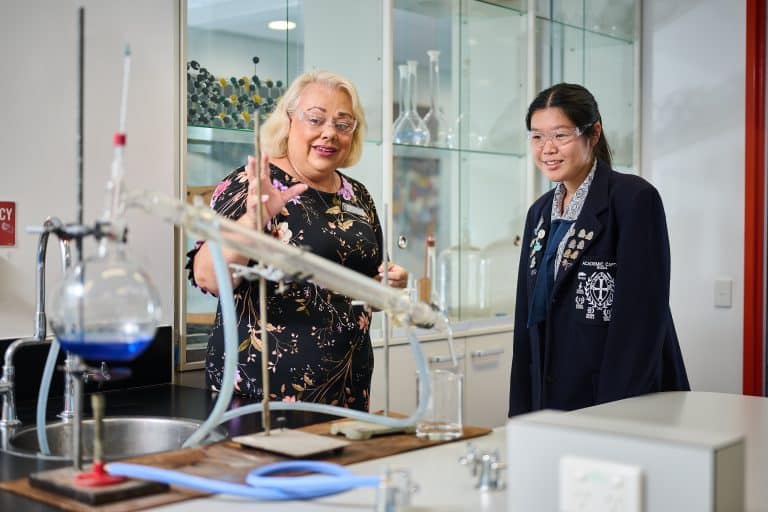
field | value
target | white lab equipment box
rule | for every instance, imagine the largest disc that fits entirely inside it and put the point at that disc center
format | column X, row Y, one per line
column 573, row 462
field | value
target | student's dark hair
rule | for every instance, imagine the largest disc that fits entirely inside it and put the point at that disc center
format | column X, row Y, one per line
column 578, row 104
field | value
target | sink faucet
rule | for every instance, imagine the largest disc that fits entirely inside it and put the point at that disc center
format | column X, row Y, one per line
column 8, row 417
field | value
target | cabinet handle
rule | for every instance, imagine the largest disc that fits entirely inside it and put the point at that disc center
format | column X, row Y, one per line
column 443, row 359
column 487, row 353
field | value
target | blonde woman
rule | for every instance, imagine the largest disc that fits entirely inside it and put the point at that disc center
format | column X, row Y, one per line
column 320, row 346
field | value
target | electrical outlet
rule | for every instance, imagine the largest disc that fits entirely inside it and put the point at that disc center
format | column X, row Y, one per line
column 592, row 485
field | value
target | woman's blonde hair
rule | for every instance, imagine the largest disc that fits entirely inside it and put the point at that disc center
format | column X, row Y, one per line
column 274, row 131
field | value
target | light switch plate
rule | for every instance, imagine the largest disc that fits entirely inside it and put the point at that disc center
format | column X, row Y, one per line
column 723, row 293
column 592, row 485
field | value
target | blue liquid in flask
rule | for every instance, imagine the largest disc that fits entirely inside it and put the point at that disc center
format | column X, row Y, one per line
column 106, row 350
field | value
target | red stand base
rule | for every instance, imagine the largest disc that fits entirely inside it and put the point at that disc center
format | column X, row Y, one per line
column 97, row 477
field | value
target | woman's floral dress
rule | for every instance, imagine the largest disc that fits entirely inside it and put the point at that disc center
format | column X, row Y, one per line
column 319, row 344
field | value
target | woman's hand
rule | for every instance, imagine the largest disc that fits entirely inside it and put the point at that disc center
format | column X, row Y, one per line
column 271, row 201
column 272, row 198
column 396, row 275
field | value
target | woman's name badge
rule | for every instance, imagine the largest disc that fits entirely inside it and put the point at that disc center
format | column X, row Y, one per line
column 350, row 208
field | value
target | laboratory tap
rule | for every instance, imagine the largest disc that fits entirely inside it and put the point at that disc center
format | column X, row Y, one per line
column 486, row 466
column 8, row 417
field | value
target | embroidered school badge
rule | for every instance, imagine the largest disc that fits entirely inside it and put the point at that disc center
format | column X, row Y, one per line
column 594, row 293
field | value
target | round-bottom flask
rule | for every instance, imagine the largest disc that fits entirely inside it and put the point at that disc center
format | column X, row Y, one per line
column 106, row 308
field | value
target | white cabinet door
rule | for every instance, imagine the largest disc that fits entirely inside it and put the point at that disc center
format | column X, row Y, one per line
column 488, row 362
column 402, row 373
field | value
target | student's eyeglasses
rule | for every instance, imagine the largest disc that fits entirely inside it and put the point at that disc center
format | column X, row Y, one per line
column 559, row 137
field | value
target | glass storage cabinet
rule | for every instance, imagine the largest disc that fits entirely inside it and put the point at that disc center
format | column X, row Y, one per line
column 468, row 187
column 471, row 189
column 596, row 43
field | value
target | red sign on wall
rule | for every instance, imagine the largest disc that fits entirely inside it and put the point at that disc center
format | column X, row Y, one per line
column 7, row 223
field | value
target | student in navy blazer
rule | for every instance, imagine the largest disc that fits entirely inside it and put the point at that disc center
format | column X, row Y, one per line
column 592, row 320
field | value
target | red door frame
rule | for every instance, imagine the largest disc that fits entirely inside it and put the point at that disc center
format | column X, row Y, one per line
column 754, row 199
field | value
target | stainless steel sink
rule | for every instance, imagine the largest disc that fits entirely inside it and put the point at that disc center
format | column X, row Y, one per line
column 123, row 437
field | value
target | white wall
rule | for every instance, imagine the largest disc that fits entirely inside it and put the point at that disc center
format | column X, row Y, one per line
column 693, row 151
column 37, row 134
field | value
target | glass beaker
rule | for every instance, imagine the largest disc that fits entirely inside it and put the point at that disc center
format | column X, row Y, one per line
column 442, row 420
column 440, row 134
column 411, row 128
column 106, row 308
column 463, row 281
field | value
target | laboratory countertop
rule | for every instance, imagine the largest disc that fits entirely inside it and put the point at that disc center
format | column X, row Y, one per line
column 443, row 484
column 165, row 400
column 461, row 329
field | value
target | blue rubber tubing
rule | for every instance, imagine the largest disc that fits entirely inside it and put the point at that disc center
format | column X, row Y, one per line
column 326, row 479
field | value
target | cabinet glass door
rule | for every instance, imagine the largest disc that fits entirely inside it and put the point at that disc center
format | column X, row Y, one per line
column 240, row 58
column 593, row 43
column 236, row 68
column 467, row 186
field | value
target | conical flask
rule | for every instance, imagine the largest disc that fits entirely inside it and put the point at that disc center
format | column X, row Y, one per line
column 440, row 134
column 411, row 128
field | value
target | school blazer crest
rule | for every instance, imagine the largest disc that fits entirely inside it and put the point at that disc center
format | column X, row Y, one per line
column 608, row 332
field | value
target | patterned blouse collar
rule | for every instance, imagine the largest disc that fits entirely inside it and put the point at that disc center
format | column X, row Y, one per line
column 573, row 209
